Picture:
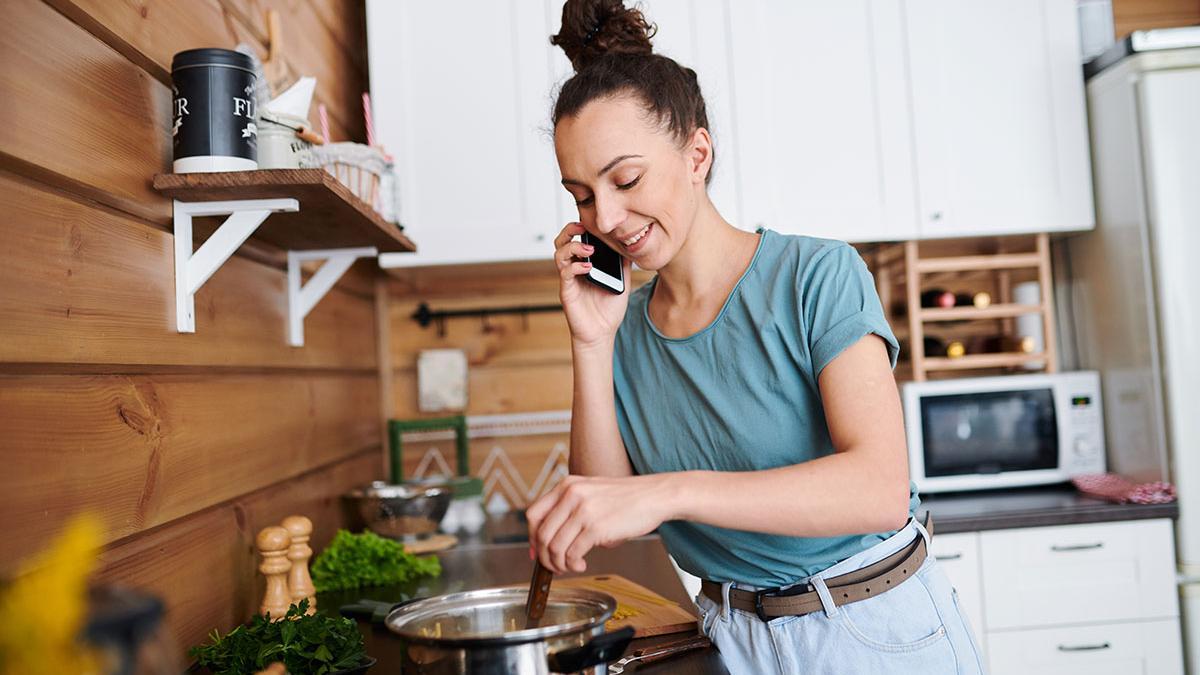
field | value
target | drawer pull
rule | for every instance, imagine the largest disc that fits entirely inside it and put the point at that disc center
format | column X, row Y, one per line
column 948, row 556
column 1084, row 648
column 1077, row 547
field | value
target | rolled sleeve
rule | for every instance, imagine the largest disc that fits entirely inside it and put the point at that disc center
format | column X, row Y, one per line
column 840, row 306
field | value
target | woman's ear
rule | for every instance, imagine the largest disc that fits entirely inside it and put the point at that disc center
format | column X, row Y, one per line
column 699, row 154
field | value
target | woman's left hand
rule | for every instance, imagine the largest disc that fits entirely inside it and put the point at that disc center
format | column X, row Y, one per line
column 584, row 511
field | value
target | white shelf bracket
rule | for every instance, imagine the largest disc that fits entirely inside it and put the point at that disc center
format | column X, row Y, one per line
column 301, row 299
column 193, row 269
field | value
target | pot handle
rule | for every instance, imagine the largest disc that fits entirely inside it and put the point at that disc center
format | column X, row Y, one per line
column 602, row 649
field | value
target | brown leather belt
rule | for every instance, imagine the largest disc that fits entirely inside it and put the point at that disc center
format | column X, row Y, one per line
column 867, row 582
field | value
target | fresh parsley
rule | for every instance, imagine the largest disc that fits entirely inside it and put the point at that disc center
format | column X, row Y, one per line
column 317, row 644
column 367, row 559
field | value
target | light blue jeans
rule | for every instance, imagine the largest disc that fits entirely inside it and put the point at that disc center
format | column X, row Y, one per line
column 915, row 628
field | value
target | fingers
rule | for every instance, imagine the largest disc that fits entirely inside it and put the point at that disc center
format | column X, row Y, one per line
column 567, row 233
column 538, row 510
column 564, row 539
column 571, row 251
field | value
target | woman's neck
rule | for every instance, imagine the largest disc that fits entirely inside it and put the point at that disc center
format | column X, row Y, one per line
column 710, row 262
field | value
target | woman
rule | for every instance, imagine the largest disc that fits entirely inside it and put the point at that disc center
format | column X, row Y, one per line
column 742, row 403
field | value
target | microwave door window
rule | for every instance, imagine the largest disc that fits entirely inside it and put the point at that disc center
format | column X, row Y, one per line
column 987, row 433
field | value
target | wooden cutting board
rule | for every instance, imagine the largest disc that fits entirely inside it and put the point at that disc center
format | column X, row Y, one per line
column 648, row 612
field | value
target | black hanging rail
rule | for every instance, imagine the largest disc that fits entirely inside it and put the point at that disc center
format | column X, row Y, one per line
column 425, row 316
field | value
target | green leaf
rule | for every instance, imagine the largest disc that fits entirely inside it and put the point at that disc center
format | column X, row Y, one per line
column 366, row 559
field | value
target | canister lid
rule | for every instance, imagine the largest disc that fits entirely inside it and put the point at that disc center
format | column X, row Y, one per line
column 212, row 57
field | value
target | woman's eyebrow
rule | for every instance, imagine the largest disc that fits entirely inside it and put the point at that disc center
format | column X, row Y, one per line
column 614, row 162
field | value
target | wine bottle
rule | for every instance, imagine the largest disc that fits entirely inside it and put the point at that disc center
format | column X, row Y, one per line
column 937, row 297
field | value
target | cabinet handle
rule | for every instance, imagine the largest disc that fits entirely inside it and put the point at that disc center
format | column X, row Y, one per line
column 948, row 556
column 935, row 216
column 1084, row 648
column 541, row 237
column 1077, row 547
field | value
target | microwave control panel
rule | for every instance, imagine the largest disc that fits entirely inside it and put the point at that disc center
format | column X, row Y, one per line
column 1079, row 401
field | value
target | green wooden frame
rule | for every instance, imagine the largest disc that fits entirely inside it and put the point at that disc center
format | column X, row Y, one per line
column 396, row 428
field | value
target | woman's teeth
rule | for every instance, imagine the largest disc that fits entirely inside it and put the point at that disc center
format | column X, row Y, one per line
column 637, row 237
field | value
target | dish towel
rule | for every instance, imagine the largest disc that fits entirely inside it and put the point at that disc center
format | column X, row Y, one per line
column 1121, row 490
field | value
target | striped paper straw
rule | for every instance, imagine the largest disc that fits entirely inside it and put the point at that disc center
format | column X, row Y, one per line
column 324, row 114
column 367, row 117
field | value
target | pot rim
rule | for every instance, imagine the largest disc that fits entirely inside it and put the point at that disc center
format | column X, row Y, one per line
column 607, row 603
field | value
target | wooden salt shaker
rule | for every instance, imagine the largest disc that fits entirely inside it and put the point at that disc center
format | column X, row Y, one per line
column 299, row 553
column 273, row 543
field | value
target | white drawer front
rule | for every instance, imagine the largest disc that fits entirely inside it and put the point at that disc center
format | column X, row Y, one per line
column 1078, row 574
column 958, row 555
column 1146, row 648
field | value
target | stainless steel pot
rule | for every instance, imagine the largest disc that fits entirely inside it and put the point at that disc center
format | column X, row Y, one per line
column 483, row 633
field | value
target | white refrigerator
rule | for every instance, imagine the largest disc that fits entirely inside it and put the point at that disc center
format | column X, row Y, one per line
column 1134, row 282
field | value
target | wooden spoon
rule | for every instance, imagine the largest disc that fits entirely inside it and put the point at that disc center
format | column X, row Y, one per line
column 539, row 591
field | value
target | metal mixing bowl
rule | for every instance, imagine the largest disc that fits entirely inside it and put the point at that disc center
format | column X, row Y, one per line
column 406, row 511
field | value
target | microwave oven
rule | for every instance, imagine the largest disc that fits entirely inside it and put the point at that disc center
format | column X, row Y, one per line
column 1005, row 431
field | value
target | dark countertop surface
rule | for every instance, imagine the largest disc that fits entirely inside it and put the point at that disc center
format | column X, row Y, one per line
column 1030, row 507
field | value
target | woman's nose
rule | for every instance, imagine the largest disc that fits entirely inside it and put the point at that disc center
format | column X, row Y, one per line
column 610, row 213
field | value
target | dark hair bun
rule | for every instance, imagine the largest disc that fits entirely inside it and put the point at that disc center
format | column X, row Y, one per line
column 592, row 28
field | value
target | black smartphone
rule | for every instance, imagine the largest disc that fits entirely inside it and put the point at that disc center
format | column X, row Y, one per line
column 607, row 267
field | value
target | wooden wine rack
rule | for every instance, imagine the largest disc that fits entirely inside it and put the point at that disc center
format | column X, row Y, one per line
column 903, row 265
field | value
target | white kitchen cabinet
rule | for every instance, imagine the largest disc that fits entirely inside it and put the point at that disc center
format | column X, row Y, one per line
column 863, row 120
column 1150, row 648
column 822, row 118
column 1079, row 574
column 999, row 117
column 467, row 120
column 958, row 556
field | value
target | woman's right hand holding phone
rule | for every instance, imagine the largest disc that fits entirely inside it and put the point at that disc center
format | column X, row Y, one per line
column 593, row 314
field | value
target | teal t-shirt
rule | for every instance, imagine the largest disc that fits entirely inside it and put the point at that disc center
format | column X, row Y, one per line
column 741, row 395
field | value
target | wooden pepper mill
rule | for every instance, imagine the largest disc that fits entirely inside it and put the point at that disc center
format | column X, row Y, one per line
column 299, row 582
column 273, row 544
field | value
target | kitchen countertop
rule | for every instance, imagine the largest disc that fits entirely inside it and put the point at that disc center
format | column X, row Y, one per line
column 1030, row 507
column 498, row 555
column 478, row 564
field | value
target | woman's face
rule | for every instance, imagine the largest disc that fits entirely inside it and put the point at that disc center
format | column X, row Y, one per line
column 635, row 188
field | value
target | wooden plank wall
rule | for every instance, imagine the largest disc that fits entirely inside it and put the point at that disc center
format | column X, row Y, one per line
column 1131, row 15
column 184, row 445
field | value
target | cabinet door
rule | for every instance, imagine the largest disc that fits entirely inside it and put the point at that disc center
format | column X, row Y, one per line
column 1079, row 573
column 999, row 117
column 822, row 118
column 958, row 555
column 1151, row 647
column 466, row 119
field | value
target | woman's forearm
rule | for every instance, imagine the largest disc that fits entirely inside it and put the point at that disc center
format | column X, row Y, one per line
column 857, row 491
column 596, row 446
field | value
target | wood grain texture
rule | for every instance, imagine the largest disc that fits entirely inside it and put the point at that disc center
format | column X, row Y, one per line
column 330, row 215
column 78, row 109
column 495, row 390
column 141, row 451
column 1131, row 15
column 310, row 48
column 204, row 567
column 150, row 32
column 84, row 285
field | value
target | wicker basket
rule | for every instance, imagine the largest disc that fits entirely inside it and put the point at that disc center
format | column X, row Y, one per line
column 355, row 165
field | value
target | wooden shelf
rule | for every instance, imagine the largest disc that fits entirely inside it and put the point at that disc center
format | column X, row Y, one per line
column 999, row 311
column 330, row 215
column 979, row 262
column 972, row 361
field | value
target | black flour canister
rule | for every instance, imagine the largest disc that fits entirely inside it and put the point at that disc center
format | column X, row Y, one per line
column 214, row 111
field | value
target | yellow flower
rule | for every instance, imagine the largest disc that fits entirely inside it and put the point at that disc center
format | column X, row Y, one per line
column 42, row 612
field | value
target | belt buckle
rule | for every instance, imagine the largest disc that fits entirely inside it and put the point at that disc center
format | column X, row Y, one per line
column 775, row 592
